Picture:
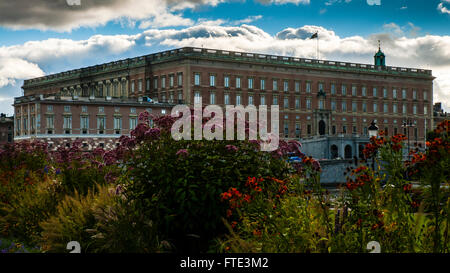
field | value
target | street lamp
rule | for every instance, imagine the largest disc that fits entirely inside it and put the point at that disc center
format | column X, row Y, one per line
column 373, row 132
column 406, row 124
column 373, row 129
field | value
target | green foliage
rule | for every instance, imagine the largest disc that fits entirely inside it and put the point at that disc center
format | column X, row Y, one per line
column 181, row 190
column 73, row 218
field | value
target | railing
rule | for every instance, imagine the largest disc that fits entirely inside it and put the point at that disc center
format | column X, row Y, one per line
column 187, row 51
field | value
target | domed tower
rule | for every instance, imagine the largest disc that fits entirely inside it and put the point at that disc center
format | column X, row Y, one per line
column 380, row 58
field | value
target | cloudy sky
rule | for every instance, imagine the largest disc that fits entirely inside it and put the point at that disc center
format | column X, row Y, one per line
column 42, row 37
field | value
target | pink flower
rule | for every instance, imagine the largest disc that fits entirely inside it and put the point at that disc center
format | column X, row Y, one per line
column 231, row 148
column 182, row 152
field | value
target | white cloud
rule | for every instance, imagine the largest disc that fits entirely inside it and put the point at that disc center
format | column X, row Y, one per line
column 12, row 69
column 374, row 2
column 442, row 8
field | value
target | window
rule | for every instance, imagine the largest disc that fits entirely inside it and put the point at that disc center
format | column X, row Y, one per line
column 275, row 85
column 308, row 87
column 297, row 130
column 425, row 95
column 84, row 124
column 353, row 90
column 66, row 109
column 133, row 123
column 263, row 84
column 344, row 106
column 171, row 81
column 286, row 86
column 286, row 103
column 250, row 100
column 394, row 93
column 67, row 122
column 309, row 129
column 297, row 103
column 333, row 129
column 415, row 109
column 263, row 100
column 197, row 97
column 321, row 104
column 333, row 105
column 227, row 99
column 49, row 108
column 212, row 98
column 275, row 100
column 344, row 129
column 133, row 110
column 286, row 129
column 50, row 122
column 364, row 91
column 197, row 79
column 320, row 86
column 250, row 83
column 163, row 82
column 344, row 90
column 180, row 79
column 117, row 125
column 117, row 109
column 101, row 125
column 404, row 109
column 238, row 99
column 385, row 93
column 374, row 92
column 238, row 82
column 333, row 89
column 354, row 107
column 414, row 94
column 212, row 80
column 297, row 86
column 385, row 108
column 404, row 94
column 364, row 106
column 226, row 81
column 355, row 130
column 140, row 85
column 394, row 108
column 101, row 109
column 147, row 87
column 132, row 87
column 155, row 83
column 425, row 110
column 308, row 103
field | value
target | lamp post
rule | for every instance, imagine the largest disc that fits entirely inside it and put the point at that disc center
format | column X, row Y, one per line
column 373, row 132
column 406, row 124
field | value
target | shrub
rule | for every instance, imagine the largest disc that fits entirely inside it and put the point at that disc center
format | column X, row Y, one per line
column 73, row 217
column 179, row 182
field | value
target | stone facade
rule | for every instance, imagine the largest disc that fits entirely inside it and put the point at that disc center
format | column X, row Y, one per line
column 6, row 129
column 316, row 97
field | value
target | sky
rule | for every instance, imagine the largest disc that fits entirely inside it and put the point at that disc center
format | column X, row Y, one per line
column 43, row 37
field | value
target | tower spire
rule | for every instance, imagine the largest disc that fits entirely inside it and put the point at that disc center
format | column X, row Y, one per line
column 380, row 58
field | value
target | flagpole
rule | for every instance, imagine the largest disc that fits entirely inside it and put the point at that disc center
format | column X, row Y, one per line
column 318, row 52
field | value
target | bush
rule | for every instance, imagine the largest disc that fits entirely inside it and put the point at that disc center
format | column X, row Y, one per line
column 73, row 218
column 179, row 182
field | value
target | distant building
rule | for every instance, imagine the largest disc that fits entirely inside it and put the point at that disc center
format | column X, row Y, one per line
column 316, row 97
column 6, row 129
column 438, row 114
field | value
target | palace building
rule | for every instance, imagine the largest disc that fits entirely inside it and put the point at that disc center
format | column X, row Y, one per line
column 316, row 97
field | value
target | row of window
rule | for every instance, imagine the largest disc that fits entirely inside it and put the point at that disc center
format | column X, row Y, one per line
column 354, row 105
column 161, row 82
column 297, row 87
column 344, row 130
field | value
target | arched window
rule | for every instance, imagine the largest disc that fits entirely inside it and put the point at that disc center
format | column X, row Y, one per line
column 348, row 152
column 334, row 151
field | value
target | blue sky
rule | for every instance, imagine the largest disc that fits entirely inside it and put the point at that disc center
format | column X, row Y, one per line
column 51, row 36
